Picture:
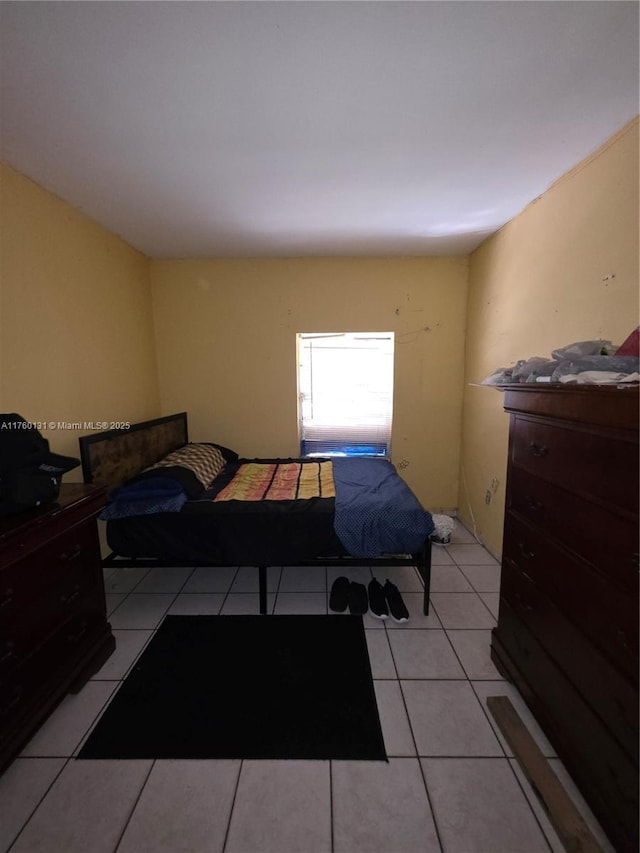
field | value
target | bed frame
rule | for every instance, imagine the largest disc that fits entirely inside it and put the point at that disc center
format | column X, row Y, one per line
column 112, row 457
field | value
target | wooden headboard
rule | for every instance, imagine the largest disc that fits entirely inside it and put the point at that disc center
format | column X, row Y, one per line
column 112, row 457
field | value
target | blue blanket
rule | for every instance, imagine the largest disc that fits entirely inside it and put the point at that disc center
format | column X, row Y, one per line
column 376, row 512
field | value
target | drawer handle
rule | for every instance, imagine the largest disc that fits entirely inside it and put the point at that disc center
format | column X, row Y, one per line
column 636, row 561
column 68, row 556
column 533, row 504
column 528, row 555
column 72, row 596
column 7, row 598
column 538, row 449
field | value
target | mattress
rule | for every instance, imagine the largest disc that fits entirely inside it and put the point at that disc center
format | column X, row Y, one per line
column 271, row 520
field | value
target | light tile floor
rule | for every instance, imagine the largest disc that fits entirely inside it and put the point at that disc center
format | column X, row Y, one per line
column 451, row 783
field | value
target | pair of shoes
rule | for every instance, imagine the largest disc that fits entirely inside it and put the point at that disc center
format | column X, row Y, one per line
column 346, row 593
column 385, row 600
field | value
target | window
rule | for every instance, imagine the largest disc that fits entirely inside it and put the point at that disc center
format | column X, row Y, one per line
column 345, row 393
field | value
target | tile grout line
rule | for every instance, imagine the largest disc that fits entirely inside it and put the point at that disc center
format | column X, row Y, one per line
column 228, row 592
column 331, row 827
column 42, row 798
column 232, row 806
column 276, row 593
column 134, row 806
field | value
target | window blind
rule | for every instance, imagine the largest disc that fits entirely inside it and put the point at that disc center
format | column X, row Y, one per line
column 345, row 385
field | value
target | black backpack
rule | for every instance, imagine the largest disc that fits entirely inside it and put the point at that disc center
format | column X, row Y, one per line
column 30, row 474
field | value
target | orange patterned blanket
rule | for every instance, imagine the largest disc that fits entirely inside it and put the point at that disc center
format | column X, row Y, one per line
column 280, row 481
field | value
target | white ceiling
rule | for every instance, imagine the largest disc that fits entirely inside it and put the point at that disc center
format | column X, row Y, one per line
column 202, row 129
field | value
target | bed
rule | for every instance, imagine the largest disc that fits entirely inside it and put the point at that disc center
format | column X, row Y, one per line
column 175, row 502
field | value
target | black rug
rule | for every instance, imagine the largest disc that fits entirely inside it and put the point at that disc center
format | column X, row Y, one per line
column 246, row 687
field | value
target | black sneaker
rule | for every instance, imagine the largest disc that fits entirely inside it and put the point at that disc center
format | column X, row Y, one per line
column 397, row 607
column 358, row 601
column 377, row 600
column 339, row 597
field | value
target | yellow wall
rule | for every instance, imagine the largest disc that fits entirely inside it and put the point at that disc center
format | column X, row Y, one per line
column 543, row 281
column 76, row 337
column 226, row 340
column 78, row 307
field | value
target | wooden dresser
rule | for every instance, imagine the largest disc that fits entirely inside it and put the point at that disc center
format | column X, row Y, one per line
column 54, row 632
column 567, row 631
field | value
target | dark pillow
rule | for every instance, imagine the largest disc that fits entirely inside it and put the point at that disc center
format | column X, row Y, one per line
column 229, row 455
column 145, row 496
column 190, row 484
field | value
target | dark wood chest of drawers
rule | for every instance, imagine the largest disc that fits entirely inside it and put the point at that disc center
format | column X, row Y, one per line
column 567, row 631
column 53, row 627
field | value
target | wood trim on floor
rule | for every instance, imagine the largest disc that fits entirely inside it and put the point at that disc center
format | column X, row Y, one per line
column 565, row 818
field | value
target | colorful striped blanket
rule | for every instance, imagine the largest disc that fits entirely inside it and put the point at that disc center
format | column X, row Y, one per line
column 280, row 481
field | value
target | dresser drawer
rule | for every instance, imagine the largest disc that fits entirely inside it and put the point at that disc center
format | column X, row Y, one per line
column 44, row 614
column 30, row 531
column 605, row 539
column 594, row 464
column 611, row 695
column 67, row 634
column 48, row 569
column 30, row 692
column 597, row 608
column 602, row 769
column 20, row 688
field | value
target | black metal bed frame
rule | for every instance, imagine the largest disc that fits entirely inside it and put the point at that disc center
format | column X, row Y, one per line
column 421, row 561
column 100, row 465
